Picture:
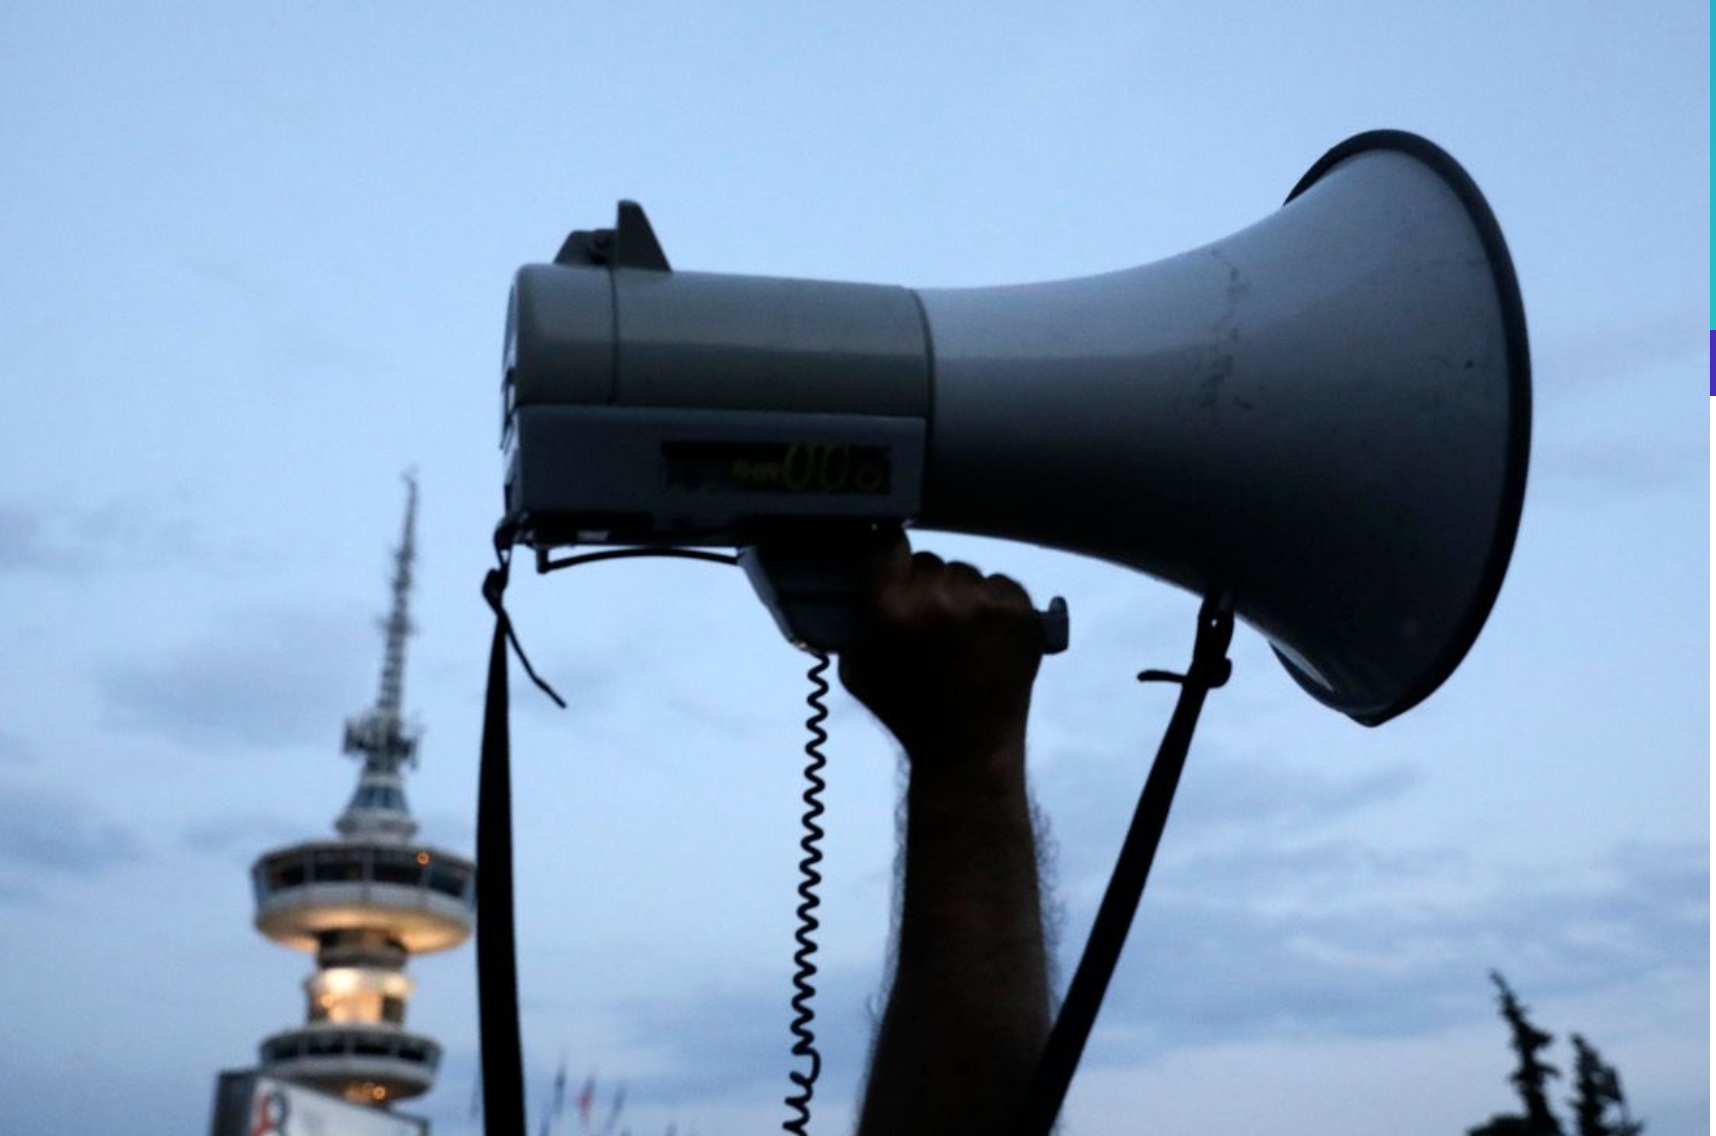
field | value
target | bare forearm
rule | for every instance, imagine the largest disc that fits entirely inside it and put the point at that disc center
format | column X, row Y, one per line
column 968, row 1013
column 945, row 658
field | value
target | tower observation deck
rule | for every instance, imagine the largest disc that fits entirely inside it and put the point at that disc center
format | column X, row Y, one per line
column 365, row 901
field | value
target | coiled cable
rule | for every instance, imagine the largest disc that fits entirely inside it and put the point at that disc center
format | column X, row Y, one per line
column 503, row 1093
column 810, row 879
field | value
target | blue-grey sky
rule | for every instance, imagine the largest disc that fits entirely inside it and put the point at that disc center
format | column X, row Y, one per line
column 255, row 262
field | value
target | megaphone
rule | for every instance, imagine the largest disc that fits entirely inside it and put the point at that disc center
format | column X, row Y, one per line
column 1323, row 418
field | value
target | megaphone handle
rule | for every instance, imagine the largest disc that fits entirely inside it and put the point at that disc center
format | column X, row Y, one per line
column 811, row 594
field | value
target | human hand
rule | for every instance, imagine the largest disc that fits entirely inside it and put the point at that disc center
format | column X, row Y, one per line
column 944, row 655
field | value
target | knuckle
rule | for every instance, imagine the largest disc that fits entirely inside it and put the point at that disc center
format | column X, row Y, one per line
column 1008, row 590
column 926, row 563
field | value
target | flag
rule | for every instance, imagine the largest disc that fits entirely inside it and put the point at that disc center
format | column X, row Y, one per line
column 614, row 1111
column 557, row 1103
column 586, row 1098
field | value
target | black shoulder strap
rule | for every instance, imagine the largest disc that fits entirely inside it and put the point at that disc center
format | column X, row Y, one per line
column 1210, row 668
column 497, row 962
column 497, row 956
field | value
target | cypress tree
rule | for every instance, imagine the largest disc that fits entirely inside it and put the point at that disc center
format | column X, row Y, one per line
column 1532, row 1076
column 1529, row 1078
column 1596, row 1086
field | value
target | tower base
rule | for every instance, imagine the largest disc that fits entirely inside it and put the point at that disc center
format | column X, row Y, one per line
column 247, row 1103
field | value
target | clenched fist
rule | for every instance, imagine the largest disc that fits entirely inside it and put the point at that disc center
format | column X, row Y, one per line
column 944, row 655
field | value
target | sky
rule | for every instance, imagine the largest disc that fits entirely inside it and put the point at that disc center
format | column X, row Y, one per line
column 256, row 261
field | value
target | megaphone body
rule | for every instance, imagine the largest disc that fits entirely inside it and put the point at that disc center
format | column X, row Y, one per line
column 1322, row 419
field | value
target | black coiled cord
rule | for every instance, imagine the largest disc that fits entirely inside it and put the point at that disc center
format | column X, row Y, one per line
column 498, row 984
column 805, row 1045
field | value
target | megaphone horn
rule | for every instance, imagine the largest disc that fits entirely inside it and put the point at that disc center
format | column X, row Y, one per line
column 1325, row 417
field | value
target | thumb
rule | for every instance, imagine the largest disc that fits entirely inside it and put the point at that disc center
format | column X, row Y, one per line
column 886, row 560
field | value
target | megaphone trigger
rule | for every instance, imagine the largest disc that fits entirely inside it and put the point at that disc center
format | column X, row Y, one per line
column 1056, row 628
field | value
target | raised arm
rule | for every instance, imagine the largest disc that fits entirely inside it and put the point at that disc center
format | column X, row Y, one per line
column 946, row 658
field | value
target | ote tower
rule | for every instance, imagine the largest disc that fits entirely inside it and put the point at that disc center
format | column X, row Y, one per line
column 365, row 902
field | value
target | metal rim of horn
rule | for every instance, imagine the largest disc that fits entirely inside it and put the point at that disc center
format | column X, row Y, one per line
column 1518, row 432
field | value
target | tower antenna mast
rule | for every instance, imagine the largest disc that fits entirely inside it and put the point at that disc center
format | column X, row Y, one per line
column 379, row 735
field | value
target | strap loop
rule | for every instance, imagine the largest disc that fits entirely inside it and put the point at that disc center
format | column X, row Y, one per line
column 1210, row 666
column 494, row 586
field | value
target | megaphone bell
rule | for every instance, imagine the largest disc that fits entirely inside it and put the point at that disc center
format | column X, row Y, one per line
column 1323, row 418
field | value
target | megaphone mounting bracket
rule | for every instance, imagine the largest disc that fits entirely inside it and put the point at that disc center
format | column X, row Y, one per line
column 631, row 243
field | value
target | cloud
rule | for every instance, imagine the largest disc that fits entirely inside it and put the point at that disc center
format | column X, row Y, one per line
column 271, row 678
column 716, row 717
column 586, row 686
column 231, row 277
column 1613, row 356
column 1248, row 793
column 1223, row 968
column 1598, row 468
column 1293, row 869
column 23, row 543
column 14, row 750
column 306, row 344
column 135, row 531
column 1251, row 804
column 13, row 894
column 53, row 829
column 303, row 342
column 453, row 830
column 1265, row 921
column 1596, row 439
column 222, row 835
column 139, row 530
column 730, row 1044
column 1213, row 969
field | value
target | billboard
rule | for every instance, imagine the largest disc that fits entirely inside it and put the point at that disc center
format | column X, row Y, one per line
column 249, row 1104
